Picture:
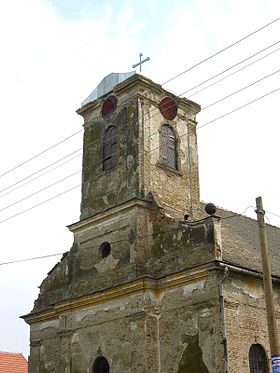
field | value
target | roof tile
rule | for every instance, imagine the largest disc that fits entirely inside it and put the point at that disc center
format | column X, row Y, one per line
column 12, row 363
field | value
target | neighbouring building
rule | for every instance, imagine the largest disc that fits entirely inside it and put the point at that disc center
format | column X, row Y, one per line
column 145, row 288
column 12, row 363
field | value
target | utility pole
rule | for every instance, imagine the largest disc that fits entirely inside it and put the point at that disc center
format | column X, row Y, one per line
column 267, row 281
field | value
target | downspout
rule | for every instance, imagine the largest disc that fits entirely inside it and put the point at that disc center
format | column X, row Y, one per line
column 142, row 142
column 189, row 171
column 222, row 309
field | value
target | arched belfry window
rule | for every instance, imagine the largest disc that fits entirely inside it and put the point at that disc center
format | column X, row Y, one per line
column 100, row 365
column 168, row 146
column 110, row 148
column 257, row 359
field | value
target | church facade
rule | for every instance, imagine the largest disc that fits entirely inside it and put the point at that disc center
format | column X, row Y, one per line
column 152, row 283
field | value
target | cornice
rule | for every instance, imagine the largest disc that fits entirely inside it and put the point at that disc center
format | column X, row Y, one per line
column 137, row 287
column 143, row 82
column 105, row 215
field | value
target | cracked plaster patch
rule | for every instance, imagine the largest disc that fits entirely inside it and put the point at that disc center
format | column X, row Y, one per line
column 252, row 288
column 188, row 289
column 106, row 264
column 50, row 324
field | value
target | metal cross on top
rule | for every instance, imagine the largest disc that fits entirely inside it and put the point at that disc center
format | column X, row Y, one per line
column 140, row 63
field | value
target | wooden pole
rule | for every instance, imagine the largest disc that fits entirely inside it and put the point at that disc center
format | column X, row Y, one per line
column 267, row 282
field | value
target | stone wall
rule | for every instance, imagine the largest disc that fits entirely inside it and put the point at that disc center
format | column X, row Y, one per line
column 139, row 168
column 246, row 321
column 174, row 330
column 143, row 242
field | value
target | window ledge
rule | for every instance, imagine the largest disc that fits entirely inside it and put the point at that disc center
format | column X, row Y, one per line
column 169, row 169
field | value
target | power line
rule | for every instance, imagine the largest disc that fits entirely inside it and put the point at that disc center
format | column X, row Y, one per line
column 222, row 50
column 185, row 134
column 230, row 68
column 241, row 89
column 28, row 259
column 272, row 213
column 222, row 116
column 42, row 152
column 128, row 239
column 238, row 108
column 126, row 147
column 95, row 140
column 39, row 191
column 42, row 169
column 192, row 67
column 39, row 204
column 196, row 86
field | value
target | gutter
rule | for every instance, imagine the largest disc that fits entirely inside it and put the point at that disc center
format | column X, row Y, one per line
column 243, row 271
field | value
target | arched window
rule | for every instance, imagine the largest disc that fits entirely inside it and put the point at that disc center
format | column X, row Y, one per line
column 168, row 146
column 257, row 359
column 100, row 365
column 105, row 249
column 110, row 148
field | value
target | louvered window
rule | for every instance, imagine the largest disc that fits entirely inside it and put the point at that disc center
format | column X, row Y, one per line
column 110, row 148
column 257, row 359
column 168, row 146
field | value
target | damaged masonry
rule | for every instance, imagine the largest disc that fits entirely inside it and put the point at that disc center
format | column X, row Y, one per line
column 144, row 287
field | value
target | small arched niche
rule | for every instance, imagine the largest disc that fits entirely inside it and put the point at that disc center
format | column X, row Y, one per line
column 105, row 249
column 100, row 365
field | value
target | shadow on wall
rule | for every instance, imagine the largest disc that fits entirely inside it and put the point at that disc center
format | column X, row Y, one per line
column 192, row 358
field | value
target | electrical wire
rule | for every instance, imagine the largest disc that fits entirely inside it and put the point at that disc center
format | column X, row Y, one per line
column 41, row 190
column 212, row 104
column 272, row 213
column 42, row 169
column 133, row 144
column 222, row 116
column 238, row 108
column 173, row 78
column 39, row 204
column 42, row 152
column 35, row 178
column 222, row 50
column 28, row 259
column 240, row 90
column 95, row 140
column 128, row 239
column 230, row 68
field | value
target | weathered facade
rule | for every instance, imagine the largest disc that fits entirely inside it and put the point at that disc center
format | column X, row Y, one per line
column 140, row 290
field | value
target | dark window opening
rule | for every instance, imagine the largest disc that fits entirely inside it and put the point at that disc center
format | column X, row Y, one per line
column 257, row 359
column 105, row 249
column 110, row 148
column 168, row 146
column 100, row 365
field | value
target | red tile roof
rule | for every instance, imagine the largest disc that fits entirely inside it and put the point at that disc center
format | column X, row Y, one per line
column 12, row 363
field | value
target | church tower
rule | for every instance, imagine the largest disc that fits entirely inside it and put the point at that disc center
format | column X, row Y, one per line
column 138, row 139
column 135, row 292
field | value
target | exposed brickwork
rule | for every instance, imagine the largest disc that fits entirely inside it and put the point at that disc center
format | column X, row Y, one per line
column 152, row 305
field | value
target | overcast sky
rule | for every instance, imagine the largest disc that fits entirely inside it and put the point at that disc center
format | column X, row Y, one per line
column 54, row 53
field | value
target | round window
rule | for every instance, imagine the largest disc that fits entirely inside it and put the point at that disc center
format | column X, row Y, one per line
column 109, row 106
column 168, row 108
